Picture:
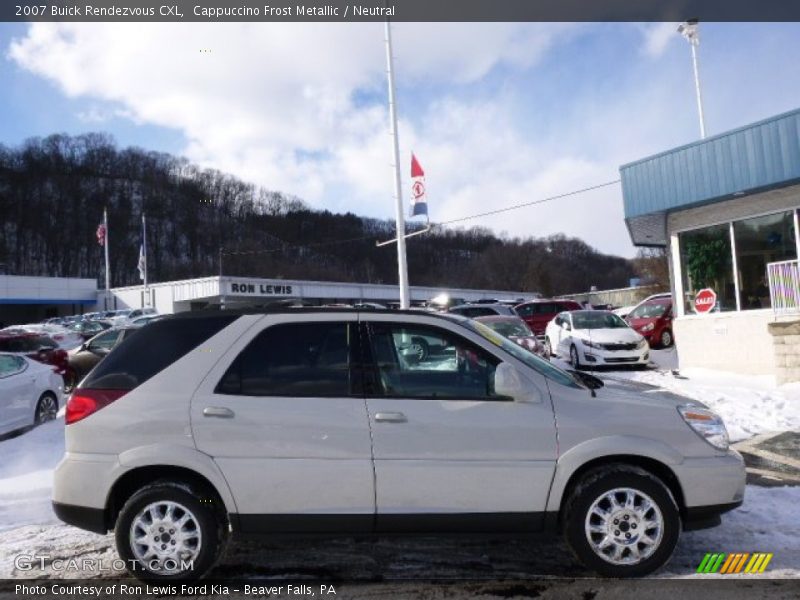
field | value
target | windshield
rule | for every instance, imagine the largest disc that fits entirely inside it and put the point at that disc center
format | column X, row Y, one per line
column 508, row 328
column 529, row 358
column 649, row 310
column 597, row 320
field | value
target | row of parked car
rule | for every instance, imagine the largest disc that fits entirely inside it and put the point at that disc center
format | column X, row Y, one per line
column 584, row 336
column 41, row 362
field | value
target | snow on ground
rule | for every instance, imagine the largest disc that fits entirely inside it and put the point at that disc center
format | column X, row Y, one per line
column 26, row 475
column 749, row 405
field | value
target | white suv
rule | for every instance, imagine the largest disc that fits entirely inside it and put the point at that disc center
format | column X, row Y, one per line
column 309, row 421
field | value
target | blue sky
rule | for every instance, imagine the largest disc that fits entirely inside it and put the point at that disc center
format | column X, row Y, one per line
column 498, row 114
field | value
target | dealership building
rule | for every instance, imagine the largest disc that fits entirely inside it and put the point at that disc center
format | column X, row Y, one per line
column 232, row 292
column 726, row 209
column 31, row 299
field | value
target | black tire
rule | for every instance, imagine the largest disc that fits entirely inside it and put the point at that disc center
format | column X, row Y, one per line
column 207, row 518
column 46, row 408
column 424, row 349
column 573, row 357
column 70, row 381
column 601, row 481
column 666, row 340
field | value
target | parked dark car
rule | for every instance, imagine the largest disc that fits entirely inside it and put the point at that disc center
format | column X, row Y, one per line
column 515, row 329
column 89, row 329
column 483, row 310
column 538, row 313
column 84, row 359
column 37, row 346
column 653, row 319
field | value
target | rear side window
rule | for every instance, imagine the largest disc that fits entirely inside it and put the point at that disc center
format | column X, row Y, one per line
column 153, row 349
column 569, row 306
column 11, row 365
column 294, row 360
column 477, row 311
column 525, row 310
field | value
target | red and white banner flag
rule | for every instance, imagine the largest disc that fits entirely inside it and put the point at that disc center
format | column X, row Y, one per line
column 101, row 234
column 419, row 202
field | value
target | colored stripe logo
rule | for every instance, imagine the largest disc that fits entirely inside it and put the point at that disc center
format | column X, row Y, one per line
column 738, row 562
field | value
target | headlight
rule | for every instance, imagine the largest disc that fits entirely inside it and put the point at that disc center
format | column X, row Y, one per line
column 642, row 343
column 706, row 423
column 592, row 344
column 649, row 327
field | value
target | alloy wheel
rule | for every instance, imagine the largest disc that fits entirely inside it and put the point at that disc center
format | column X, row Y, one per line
column 624, row 526
column 165, row 536
column 46, row 408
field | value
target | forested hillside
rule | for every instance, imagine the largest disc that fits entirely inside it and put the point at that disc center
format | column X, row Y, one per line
column 53, row 191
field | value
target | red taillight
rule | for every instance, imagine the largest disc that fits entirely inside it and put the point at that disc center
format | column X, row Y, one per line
column 83, row 403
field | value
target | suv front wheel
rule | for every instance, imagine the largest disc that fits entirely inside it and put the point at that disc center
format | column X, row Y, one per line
column 621, row 521
column 169, row 532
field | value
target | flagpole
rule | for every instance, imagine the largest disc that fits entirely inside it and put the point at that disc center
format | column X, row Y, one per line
column 402, row 266
column 145, row 300
column 108, row 272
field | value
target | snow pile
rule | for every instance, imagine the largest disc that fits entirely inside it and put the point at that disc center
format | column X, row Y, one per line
column 749, row 405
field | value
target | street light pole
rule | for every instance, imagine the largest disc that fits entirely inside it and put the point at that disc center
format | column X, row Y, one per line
column 690, row 31
column 402, row 266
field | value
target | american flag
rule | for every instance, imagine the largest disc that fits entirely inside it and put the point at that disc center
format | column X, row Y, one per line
column 101, row 234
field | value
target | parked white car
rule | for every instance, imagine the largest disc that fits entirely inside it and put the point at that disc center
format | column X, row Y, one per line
column 595, row 338
column 138, row 313
column 29, row 392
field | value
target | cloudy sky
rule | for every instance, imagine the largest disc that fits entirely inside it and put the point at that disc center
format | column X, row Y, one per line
column 498, row 114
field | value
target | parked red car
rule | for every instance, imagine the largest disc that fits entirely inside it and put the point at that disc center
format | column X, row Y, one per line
column 653, row 319
column 538, row 313
column 36, row 346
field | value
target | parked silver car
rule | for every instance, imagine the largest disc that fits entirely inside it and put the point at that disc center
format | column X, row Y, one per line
column 308, row 421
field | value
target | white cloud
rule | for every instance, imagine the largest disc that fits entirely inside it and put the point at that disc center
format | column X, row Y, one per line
column 301, row 108
column 657, row 36
column 261, row 97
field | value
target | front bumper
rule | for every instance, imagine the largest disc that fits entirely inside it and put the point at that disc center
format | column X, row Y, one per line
column 598, row 357
column 711, row 486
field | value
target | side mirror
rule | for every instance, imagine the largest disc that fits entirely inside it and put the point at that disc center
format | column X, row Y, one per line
column 83, row 347
column 565, row 325
column 508, row 381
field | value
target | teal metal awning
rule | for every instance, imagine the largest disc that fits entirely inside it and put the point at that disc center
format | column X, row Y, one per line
column 758, row 157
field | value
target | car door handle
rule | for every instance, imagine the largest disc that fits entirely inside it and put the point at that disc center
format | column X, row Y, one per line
column 390, row 417
column 218, row 411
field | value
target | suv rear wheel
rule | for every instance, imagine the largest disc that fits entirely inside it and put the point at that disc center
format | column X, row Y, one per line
column 621, row 521
column 165, row 533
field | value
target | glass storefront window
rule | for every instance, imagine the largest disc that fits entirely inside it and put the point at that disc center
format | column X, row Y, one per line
column 759, row 241
column 707, row 262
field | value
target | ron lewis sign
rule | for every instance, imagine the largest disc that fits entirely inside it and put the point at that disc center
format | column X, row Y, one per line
column 260, row 288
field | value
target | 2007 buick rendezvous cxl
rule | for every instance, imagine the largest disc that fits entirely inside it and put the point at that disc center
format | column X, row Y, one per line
column 309, row 421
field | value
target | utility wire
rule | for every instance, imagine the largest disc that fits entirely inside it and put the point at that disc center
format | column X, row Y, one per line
column 287, row 245
column 531, row 203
